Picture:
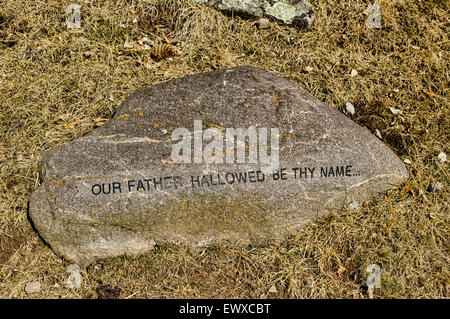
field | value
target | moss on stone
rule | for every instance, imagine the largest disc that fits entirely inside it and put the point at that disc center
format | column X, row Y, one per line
column 201, row 216
column 282, row 11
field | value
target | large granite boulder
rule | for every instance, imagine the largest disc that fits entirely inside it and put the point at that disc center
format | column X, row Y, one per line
column 297, row 13
column 132, row 182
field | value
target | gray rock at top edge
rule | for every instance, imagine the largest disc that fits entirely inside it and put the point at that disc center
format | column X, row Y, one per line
column 328, row 162
column 297, row 13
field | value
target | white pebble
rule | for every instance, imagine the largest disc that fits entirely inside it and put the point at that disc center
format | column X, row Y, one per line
column 406, row 161
column 263, row 23
column 437, row 186
column 378, row 134
column 349, row 108
column 394, row 110
column 73, row 268
column 353, row 205
column 32, row 287
column 442, row 157
column 127, row 43
column 273, row 289
column 74, row 279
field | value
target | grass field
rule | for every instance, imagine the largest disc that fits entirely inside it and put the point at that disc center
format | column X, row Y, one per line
column 55, row 83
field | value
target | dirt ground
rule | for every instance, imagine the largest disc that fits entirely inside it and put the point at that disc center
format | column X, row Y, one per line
column 56, row 83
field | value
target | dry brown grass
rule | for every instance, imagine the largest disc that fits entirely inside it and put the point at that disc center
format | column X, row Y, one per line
column 54, row 82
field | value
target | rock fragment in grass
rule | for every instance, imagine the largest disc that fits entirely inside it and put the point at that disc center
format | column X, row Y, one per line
column 117, row 190
column 273, row 290
column 128, row 44
column 353, row 205
column 33, row 287
column 74, row 278
column 436, row 186
column 297, row 13
column 263, row 23
column 394, row 110
column 378, row 134
column 349, row 108
column 442, row 157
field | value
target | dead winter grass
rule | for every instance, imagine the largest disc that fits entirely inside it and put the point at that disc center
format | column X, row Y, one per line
column 55, row 82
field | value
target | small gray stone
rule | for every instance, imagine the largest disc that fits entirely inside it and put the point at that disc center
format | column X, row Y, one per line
column 442, row 157
column 74, row 279
column 118, row 191
column 298, row 13
column 436, row 186
column 128, row 44
column 378, row 134
column 349, row 108
column 353, row 205
column 263, row 23
column 73, row 268
column 394, row 110
column 33, row 287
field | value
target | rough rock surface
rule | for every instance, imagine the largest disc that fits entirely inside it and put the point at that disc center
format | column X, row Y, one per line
column 117, row 190
column 33, row 287
column 297, row 13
